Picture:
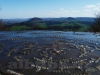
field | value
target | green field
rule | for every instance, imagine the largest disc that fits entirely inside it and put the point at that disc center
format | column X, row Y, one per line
column 53, row 25
column 22, row 27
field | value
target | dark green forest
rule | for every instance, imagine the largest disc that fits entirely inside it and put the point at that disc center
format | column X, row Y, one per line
column 69, row 24
column 40, row 24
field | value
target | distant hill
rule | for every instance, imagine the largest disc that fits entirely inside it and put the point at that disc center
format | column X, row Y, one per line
column 53, row 24
column 12, row 21
column 19, row 20
column 28, row 22
column 63, row 23
column 35, row 19
column 90, row 19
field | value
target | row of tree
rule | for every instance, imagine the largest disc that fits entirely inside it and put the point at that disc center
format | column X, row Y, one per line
column 1, row 25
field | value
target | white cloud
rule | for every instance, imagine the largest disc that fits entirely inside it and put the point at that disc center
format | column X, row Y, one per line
column 74, row 11
column 65, row 11
column 98, row 4
column 62, row 12
column 53, row 11
column 89, row 10
column 86, row 11
column 97, row 9
column 62, row 8
column 90, row 6
column 48, row 14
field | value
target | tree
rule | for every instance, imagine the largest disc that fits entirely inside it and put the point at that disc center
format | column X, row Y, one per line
column 95, row 27
column 1, row 25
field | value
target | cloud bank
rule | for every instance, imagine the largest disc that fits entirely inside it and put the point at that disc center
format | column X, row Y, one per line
column 85, row 11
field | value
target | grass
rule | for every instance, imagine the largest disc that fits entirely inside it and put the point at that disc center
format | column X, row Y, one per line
column 82, row 28
column 42, row 25
column 18, row 27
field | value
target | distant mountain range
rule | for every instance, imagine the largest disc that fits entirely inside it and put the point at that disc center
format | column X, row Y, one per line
column 19, row 20
column 11, row 21
column 91, row 19
column 63, row 23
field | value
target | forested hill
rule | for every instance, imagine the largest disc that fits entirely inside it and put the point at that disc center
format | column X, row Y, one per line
column 90, row 19
column 19, row 20
column 65, row 24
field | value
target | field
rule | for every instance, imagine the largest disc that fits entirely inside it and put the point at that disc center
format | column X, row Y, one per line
column 49, row 53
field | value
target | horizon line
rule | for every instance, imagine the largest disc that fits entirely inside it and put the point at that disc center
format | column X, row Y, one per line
column 48, row 17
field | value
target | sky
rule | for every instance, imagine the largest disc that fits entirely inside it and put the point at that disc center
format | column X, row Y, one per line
column 48, row 8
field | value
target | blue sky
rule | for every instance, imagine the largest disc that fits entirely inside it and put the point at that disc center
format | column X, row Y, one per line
column 48, row 8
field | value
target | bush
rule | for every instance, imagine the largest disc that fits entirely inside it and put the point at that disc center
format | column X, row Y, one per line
column 1, row 25
column 95, row 27
column 22, row 27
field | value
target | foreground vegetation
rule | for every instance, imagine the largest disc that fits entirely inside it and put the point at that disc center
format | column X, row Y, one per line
column 95, row 27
